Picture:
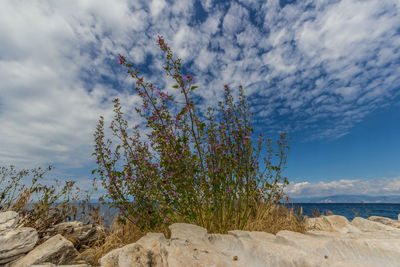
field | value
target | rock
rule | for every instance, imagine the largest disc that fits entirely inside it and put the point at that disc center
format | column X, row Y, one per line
column 8, row 220
column 331, row 223
column 111, row 258
column 386, row 221
column 344, row 244
column 16, row 242
column 136, row 255
column 56, row 250
column 371, row 226
column 81, row 233
column 49, row 264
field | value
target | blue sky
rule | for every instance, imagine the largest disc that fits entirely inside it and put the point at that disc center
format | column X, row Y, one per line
column 325, row 72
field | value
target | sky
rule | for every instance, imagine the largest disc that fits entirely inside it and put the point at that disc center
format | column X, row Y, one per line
column 324, row 72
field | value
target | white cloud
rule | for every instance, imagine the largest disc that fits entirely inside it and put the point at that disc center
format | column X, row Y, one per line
column 210, row 26
column 204, row 59
column 361, row 186
column 235, row 19
column 207, row 4
column 156, row 7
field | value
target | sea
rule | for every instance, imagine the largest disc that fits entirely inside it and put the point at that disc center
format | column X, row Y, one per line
column 348, row 210
column 351, row 210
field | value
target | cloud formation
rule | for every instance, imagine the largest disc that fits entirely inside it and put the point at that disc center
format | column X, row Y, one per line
column 317, row 67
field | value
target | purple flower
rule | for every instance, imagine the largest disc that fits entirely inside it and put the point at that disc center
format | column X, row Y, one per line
column 189, row 78
column 119, row 59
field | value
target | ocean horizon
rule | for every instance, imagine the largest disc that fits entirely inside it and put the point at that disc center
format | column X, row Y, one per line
column 348, row 210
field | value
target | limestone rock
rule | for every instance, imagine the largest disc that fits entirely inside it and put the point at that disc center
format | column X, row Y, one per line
column 57, row 250
column 331, row 223
column 16, row 242
column 8, row 220
column 48, row 264
column 83, row 234
column 385, row 221
column 371, row 226
column 190, row 245
column 136, row 255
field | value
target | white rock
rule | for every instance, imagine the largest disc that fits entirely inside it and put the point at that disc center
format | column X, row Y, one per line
column 16, row 242
column 191, row 245
column 385, row 221
column 111, row 259
column 57, row 250
column 8, row 220
column 48, row 264
column 331, row 223
column 45, row 264
column 371, row 226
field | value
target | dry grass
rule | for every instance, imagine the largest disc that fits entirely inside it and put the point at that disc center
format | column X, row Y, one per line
column 272, row 218
column 316, row 213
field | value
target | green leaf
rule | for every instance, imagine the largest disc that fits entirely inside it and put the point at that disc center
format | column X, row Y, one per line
column 194, row 87
column 93, row 171
column 175, row 86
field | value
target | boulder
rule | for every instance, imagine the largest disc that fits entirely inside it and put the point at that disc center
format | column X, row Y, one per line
column 56, row 250
column 344, row 244
column 8, row 220
column 79, row 232
column 331, row 223
column 136, row 255
column 16, row 242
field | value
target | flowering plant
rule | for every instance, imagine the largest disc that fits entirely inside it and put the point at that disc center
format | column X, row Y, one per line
column 216, row 189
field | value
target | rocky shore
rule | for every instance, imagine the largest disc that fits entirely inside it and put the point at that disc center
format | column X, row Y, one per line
column 329, row 241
